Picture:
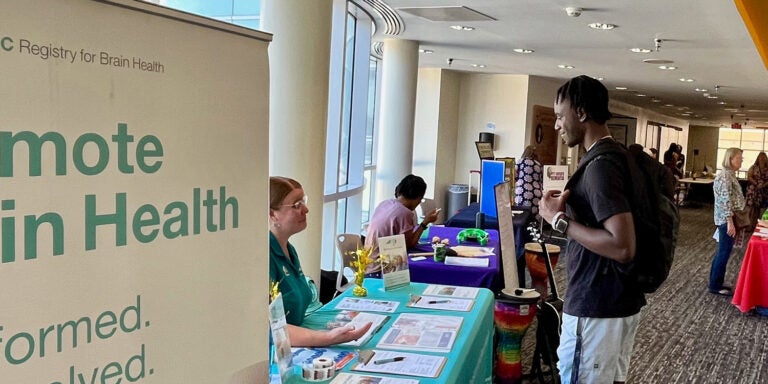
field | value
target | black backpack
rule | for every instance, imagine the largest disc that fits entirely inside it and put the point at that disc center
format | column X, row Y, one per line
column 655, row 216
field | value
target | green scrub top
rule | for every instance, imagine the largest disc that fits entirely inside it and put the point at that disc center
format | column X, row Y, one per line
column 286, row 271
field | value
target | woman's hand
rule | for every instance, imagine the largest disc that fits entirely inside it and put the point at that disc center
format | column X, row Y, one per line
column 431, row 217
column 346, row 333
column 731, row 231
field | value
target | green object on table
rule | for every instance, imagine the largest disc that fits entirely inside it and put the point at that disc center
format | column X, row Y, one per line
column 473, row 234
column 439, row 255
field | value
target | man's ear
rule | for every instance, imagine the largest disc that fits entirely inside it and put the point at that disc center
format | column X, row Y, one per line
column 581, row 114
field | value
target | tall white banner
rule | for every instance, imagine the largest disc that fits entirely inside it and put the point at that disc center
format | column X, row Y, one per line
column 133, row 194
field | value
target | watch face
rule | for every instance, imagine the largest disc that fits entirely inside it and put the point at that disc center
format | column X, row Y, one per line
column 561, row 225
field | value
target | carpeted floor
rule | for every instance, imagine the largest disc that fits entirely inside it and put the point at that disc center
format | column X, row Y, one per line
column 688, row 335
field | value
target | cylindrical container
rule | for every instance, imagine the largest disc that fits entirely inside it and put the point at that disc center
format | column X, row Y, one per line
column 512, row 315
column 534, row 259
column 458, row 195
column 440, row 252
column 486, row 137
column 480, row 220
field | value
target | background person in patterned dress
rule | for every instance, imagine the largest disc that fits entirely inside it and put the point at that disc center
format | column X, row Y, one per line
column 528, row 176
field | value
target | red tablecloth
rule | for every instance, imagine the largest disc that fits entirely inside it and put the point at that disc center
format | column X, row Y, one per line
column 752, row 285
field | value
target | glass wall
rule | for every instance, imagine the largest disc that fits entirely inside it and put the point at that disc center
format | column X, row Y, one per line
column 350, row 167
column 751, row 141
column 246, row 13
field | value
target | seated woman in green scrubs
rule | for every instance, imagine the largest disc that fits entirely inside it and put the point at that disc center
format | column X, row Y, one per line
column 288, row 216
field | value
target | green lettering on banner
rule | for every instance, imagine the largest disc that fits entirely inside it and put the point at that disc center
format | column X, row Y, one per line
column 34, row 144
column 9, row 347
column 92, row 220
column 106, row 320
column 8, row 225
column 103, row 157
column 227, row 202
column 181, row 219
column 73, row 325
column 133, row 371
column 6, row 43
column 125, row 316
column 32, row 225
column 143, row 151
column 149, row 152
column 139, row 223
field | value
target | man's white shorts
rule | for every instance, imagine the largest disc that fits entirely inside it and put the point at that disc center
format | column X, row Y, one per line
column 606, row 346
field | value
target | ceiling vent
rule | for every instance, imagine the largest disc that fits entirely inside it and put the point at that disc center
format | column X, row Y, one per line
column 456, row 13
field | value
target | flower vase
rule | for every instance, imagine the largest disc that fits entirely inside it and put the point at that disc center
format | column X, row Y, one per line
column 359, row 290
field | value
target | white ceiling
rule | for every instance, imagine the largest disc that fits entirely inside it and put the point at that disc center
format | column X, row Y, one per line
column 706, row 39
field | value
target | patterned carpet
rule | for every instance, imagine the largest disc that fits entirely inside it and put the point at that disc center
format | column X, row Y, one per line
column 688, row 335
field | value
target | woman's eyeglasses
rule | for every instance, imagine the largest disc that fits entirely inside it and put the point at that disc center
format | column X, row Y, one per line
column 299, row 204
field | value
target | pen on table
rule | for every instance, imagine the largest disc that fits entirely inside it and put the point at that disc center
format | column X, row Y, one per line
column 438, row 301
column 391, row 360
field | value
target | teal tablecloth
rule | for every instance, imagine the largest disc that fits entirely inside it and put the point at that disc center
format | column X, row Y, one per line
column 470, row 359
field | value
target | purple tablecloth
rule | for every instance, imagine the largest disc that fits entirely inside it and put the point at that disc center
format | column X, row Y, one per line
column 428, row 271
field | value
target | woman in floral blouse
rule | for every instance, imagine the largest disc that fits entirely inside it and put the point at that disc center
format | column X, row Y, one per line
column 728, row 200
column 528, row 177
column 757, row 189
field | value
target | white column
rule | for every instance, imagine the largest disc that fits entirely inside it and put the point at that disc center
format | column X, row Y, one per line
column 398, row 102
column 299, row 58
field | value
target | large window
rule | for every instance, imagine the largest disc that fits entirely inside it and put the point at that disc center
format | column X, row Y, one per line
column 751, row 141
column 246, row 13
column 350, row 166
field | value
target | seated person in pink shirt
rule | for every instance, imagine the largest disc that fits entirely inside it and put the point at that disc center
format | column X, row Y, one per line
column 396, row 216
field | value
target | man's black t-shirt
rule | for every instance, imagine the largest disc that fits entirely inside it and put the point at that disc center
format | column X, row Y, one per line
column 598, row 286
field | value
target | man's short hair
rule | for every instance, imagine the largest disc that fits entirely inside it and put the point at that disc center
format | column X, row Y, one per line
column 411, row 187
column 588, row 94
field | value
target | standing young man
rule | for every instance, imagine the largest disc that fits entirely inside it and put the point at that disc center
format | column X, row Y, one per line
column 602, row 305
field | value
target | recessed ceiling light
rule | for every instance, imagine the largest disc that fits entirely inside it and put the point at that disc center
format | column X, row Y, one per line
column 721, row 102
column 640, row 50
column 598, row 78
column 668, row 67
column 669, row 105
column 523, row 50
column 565, row 66
column 603, row 26
column 655, row 101
column 462, row 28
column 657, row 61
column 741, row 114
column 731, row 109
column 686, row 80
column 427, row 51
column 711, row 97
column 621, row 88
column 641, row 95
column 478, row 65
column 700, row 90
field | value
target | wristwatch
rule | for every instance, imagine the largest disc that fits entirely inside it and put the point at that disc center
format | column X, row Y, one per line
column 561, row 222
column 423, row 226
